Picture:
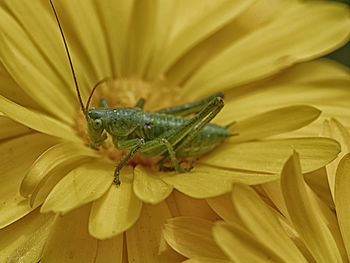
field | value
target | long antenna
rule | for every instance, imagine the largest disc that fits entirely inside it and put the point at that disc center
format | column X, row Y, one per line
column 70, row 60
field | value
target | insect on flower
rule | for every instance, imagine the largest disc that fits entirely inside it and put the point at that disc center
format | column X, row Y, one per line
column 170, row 132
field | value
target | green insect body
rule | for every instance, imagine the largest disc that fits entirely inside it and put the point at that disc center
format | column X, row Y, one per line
column 170, row 132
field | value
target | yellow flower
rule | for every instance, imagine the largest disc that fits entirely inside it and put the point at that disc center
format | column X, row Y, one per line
column 292, row 224
column 171, row 53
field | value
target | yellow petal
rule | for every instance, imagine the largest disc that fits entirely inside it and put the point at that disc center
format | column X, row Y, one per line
column 188, row 32
column 10, row 128
column 183, row 205
column 309, row 225
column 291, row 87
column 35, row 58
column 117, row 210
column 84, row 184
column 17, row 156
column 145, row 241
column 60, row 154
column 223, row 206
column 342, row 184
column 148, row 187
column 24, row 240
column 273, row 122
column 206, row 260
column 69, row 240
column 205, row 181
column 269, row 155
column 262, row 223
column 315, row 28
column 192, row 237
column 242, row 246
column 36, row 121
column 110, row 250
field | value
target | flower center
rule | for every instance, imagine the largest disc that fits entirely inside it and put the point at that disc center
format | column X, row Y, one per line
column 126, row 92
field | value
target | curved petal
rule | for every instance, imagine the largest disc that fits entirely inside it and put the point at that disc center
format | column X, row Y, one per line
column 314, row 28
column 242, row 246
column 274, row 122
column 309, row 225
column 342, row 184
column 205, row 181
column 260, row 221
column 192, row 237
column 17, row 156
column 268, row 156
column 34, row 57
column 82, row 185
column 36, row 120
column 10, row 128
column 145, row 241
column 69, row 240
column 223, row 206
column 148, row 187
column 117, row 210
column 23, row 241
column 60, row 154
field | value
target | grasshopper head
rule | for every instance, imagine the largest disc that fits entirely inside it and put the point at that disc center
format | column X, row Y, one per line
column 96, row 120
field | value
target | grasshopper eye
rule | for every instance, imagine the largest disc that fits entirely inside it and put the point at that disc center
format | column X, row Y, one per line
column 97, row 123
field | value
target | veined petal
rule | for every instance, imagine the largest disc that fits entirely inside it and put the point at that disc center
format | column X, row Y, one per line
column 242, row 246
column 205, row 181
column 60, row 154
column 342, row 195
column 29, row 54
column 189, row 32
column 269, row 156
column 145, row 241
column 321, row 26
column 10, row 128
column 69, row 240
column 274, row 122
column 148, row 187
column 17, row 156
column 84, row 184
column 23, row 241
column 263, row 223
column 36, row 120
column 309, row 225
column 195, row 237
column 117, row 210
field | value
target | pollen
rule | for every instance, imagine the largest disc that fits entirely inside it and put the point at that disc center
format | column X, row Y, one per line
column 126, row 92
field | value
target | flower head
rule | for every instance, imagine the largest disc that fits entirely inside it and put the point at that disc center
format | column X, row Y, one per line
column 170, row 55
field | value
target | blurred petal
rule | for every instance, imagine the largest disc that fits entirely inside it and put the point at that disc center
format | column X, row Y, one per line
column 321, row 26
column 206, row 260
column 117, row 210
column 110, row 250
column 242, row 246
column 24, row 240
column 69, row 240
column 60, row 154
column 145, row 241
column 268, row 156
column 342, row 197
column 259, row 219
column 309, row 225
column 36, row 120
column 148, row 187
column 205, row 181
column 17, row 156
column 192, row 237
column 82, row 185
column 10, row 128
column 274, row 122
column 223, row 206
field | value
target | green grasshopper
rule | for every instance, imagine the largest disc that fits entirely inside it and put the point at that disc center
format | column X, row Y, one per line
column 170, row 132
